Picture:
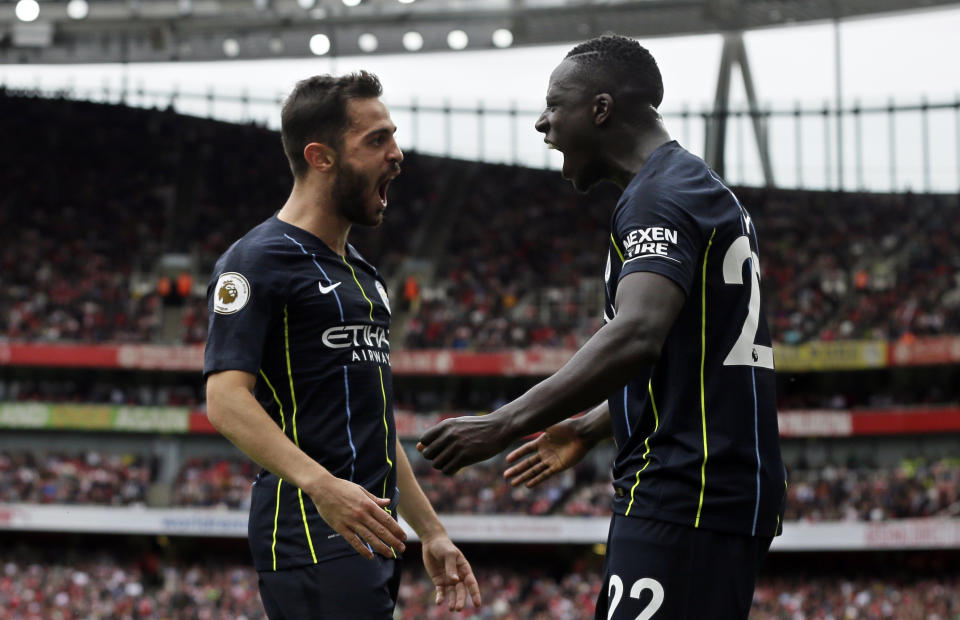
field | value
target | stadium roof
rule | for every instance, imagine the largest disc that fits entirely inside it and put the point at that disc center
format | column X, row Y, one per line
column 90, row 31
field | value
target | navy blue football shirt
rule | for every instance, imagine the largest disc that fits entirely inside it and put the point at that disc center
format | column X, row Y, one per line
column 697, row 437
column 313, row 326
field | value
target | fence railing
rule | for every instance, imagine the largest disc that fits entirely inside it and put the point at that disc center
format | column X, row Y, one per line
column 896, row 146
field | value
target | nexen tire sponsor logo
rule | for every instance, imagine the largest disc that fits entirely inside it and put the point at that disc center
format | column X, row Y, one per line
column 652, row 240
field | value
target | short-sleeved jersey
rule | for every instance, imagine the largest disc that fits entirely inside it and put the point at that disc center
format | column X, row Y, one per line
column 313, row 326
column 697, row 436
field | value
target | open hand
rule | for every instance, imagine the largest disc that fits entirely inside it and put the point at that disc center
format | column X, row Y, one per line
column 553, row 451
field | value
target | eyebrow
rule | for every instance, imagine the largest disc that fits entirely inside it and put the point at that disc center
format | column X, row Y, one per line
column 392, row 129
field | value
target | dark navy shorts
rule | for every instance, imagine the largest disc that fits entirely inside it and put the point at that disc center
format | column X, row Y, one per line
column 656, row 570
column 342, row 588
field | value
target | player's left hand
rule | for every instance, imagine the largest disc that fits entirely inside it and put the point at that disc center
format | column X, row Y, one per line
column 458, row 442
column 450, row 572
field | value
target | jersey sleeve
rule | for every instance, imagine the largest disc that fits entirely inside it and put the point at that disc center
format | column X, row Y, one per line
column 241, row 299
column 655, row 234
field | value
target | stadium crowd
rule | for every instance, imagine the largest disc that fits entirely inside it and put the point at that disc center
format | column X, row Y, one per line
column 853, row 492
column 81, row 247
column 89, row 478
column 513, row 273
column 99, row 586
column 519, row 266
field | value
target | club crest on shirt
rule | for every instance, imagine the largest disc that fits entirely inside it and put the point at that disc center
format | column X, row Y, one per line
column 231, row 293
column 383, row 296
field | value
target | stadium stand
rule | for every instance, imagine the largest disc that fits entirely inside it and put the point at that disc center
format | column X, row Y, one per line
column 91, row 255
column 832, row 269
column 913, row 488
column 142, row 584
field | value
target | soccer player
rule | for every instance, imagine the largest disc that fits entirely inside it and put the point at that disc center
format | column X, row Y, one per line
column 298, row 374
column 684, row 359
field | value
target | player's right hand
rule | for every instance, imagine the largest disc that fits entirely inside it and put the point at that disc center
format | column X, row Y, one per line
column 359, row 516
column 556, row 449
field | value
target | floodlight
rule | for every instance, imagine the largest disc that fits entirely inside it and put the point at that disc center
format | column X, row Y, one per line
column 319, row 44
column 27, row 10
column 368, row 42
column 351, row 2
column 412, row 41
column 231, row 48
column 306, row 5
column 502, row 38
column 457, row 39
column 78, row 9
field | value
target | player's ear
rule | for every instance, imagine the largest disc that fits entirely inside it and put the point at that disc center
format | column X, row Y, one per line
column 321, row 157
column 602, row 108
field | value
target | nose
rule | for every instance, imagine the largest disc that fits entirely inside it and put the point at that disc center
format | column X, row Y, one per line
column 542, row 125
column 395, row 155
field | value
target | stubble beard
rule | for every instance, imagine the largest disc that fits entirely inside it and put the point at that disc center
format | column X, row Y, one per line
column 349, row 191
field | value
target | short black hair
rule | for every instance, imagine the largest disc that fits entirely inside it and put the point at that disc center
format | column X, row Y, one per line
column 316, row 111
column 620, row 65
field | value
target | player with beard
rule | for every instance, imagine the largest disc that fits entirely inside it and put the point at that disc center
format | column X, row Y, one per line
column 681, row 373
column 297, row 366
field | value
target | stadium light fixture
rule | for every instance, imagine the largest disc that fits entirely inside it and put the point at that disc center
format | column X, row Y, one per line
column 406, row 1
column 231, row 48
column 351, row 2
column 306, row 5
column 502, row 38
column 368, row 42
column 457, row 39
column 412, row 41
column 27, row 10
column 78, row 9
column 319, row 44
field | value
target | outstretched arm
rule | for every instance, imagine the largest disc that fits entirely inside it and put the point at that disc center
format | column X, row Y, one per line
column 647, row 304
column 355, row 513
column 559, row 447
column 447, row 566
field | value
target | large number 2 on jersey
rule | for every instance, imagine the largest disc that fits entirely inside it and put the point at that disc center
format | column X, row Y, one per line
column 745, row 351
column 615, row 593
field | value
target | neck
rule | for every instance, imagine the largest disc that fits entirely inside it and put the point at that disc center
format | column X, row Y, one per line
column 310, row 207
column 639, row 144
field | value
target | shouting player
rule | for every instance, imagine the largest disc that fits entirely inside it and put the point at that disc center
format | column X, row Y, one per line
column 298, row 374
column 683, row 361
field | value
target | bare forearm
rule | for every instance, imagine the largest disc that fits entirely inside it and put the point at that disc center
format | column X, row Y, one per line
column 594, row 426
column 240, row 418
column 414, row 506
column 605, row 363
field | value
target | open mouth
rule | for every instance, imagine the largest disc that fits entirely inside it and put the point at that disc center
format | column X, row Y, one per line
column 382, row 191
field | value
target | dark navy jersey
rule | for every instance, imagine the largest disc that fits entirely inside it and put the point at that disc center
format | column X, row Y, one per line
column 697, row 436
column 313, row 326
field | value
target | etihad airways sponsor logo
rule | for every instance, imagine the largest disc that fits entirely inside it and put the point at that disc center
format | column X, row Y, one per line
column 368, row 343
column 650, row 241
column 343, row 336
